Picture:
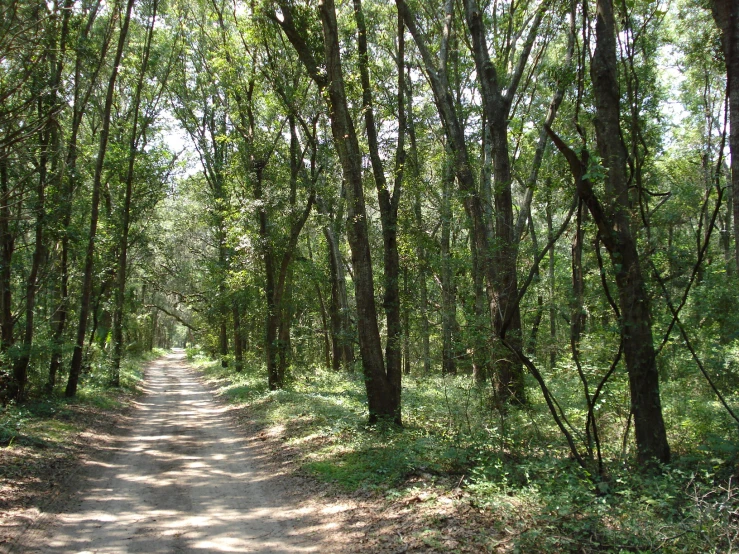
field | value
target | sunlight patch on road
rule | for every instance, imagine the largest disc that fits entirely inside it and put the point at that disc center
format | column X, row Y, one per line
column 183, row 481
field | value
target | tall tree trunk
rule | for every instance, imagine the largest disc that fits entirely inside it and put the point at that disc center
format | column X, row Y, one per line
column 272, row 320
column 341, row 330
column 154, row 327
column 86, row 292
column 284, row 343
column 423, row 293
column 383, row 388
column 497, row 264
column 525, row 216
column 277, row 278
column 389, row 204
column 414, row 172
column 726, row 15
column 238, row 339
column 459, row 157
column 651, row 437
column 382, row 396
column 133, row 146
column 7, row 248
column 406, row 325
column 726, row 232
column 20, row 367
column 67, row 185
column 448, row 290
column 505, row 306
column 481, row 329
column 502, row 274
column 223, row 334
column 325, row 332
column 553, row 350
column 577, row 308
column 223, row 266
column 534, row 334
column 613, row 219
column 50, row 153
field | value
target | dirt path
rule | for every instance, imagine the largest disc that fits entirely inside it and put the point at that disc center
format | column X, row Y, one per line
column 180, row 477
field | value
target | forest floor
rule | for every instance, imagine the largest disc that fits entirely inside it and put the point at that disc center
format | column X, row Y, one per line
column 181, row 471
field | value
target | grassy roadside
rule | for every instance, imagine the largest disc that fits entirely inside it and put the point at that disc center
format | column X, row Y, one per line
column 42, row 439
column 457, row 478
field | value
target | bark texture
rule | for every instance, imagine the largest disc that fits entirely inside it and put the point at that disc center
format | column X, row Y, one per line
column 617, row 235
column 383, row 385
column 612, row 218
column 726, row 15
column 76, row 365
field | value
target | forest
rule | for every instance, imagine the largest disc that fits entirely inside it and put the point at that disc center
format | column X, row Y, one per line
column 507, row 228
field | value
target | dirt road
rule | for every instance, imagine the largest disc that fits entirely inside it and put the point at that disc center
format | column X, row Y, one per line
column 179, row 477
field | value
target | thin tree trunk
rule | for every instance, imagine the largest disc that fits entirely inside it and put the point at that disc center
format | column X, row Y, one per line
column 459, row 157
column 126, row 209
column 726, row 15
column 238, row 340
column 20, row 367
column 272, row 319
column 533, row 336
column 86, row 293
column 49, row 142
column 284, row 343
column 481, row 329
column 726, row 232
column 414, row 172
column 325, row 332
column 577, row 308
column 423, row 293
column 154, row 325
column 67, row 185
column 7, row 248
column 341, row 331
column 553, row 350
column 406, row 325
column 448, row 290
column 223, row 336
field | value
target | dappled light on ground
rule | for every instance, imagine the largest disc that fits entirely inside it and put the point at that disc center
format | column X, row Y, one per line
column 180, row 478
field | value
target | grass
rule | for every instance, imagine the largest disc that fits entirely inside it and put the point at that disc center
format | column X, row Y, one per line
column 49, row 422
column 516, row 468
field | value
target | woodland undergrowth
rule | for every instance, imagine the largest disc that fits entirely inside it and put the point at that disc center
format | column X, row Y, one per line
column 37, row 420
column 514, row 467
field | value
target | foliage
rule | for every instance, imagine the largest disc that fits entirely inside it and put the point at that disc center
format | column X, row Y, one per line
column 45, row 418
column 538, row 499
column 222, row 198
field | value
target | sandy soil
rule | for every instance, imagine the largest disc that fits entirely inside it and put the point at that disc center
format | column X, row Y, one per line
column 179, row 475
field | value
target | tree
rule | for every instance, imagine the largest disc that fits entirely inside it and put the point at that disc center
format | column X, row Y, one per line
column 133, row 146
column 202, row 108
column 382, row 374
column 726, row 15
column 82, row 90
column 76, row 365
column 44, row 79
column 612, row 215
